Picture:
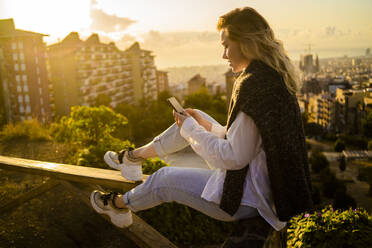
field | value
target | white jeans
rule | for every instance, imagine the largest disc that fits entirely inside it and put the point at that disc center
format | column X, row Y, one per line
column 176, row 184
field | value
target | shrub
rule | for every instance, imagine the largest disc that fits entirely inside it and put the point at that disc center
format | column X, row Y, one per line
column 328, row 228
column 28, row 129
column 318, row 161
column 370, row 145
column 316, row 195
column 339, row 145
column 365, row 174
column 343, row 201
column 350, row 140
column 330, row 184
column 342, row 163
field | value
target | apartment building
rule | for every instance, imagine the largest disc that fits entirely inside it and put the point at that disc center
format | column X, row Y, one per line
column 350, row 110
column 321, row 108
column 143, row 73
column 196, row 83
column 162, row 81
column 81, row 71
column 23, row 74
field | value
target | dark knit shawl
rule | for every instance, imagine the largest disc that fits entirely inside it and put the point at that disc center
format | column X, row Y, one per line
column 261, row 93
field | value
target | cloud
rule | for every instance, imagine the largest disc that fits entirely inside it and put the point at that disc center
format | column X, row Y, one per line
column 102, row 21
column 183, row 48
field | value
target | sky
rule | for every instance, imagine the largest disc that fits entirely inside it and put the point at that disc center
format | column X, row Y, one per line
column 183, row 32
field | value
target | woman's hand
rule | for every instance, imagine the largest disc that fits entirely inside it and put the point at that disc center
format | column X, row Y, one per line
column 180, row 118
column 199, row 118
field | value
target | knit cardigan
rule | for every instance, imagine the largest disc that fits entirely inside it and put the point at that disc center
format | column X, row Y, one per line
column 261, row 93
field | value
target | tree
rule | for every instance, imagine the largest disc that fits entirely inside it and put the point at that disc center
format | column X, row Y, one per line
column 365, row 174
column 318, row 161
column 342, row 163
column 102, row 99
column 367, row 125
column 91, row 124
column 339, row 145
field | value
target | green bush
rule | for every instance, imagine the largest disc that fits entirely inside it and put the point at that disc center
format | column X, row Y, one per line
column 28, row 129
column 339, row 146
column 370, row 145
column 355, row 141
column 329, row 228
column 318, row 161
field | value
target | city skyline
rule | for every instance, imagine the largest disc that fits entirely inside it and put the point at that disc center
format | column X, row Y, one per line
column 332, row 28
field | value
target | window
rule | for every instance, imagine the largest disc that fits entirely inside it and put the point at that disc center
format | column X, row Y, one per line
column 23, row 67
column 22, row 118
column 18, row 78
column 41, row 101
column 42, row 111
column 19, row 89
column 28, row 109
column 21, row 56
column 29, row 117
column 20, row 45
column 24, row 78
column 15, row 57
column 36, row 60
column 21, row 109
column 41, row 91
column 16, row 67
column 38, row 81
column 27, row 98
column 37, row 70
column 20, row 99
column 14, row 45
column 25, row 88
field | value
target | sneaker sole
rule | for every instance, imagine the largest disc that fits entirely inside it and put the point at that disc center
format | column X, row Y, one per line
column 125, row 221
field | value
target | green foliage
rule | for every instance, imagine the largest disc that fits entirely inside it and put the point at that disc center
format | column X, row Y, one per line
column 339, row 145
column 93, row 155
column 28, row 129
column 102, row 99
column 342, row 163
column 181, row 224
column 330, row 184
column 313, row 129
column 355, row 141
column 329, row 228
column 370, row 145
column 367, row 125
column 215, row 105
column 365, row 174
column 318, row 161
column 343, row 201
column 146, row 120
column 88, row 125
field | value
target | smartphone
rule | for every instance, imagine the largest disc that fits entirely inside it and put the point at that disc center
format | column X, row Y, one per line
column 176, row 105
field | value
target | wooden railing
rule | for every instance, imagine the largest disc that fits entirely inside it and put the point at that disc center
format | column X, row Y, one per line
column 82, row 180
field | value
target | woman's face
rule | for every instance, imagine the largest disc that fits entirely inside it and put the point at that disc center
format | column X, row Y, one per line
column 232, row 53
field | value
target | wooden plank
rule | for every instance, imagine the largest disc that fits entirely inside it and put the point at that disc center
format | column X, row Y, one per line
column 10, row 205
column 88, row 175
column 144, row 235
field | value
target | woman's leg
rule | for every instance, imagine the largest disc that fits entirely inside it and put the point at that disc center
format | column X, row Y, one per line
column 167, row 142
column 181, row 185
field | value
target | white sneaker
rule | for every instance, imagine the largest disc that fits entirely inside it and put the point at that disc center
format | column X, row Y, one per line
column 130, row 170
column 102, row 203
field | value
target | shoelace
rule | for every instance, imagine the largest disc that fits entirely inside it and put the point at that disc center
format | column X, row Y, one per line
column 108, row 196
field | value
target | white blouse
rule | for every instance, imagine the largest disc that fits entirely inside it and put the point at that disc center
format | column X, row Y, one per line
column 242, row 145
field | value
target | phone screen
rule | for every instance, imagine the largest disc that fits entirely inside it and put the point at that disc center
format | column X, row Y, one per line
column 175, row 104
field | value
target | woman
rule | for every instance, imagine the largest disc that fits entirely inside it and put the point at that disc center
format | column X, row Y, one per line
column 258, row 160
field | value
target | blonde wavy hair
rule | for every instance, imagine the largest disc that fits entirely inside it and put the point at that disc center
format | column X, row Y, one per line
column 256, row 39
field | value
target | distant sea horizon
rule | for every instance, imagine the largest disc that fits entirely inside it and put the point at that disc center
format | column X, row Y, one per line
column 295, row 54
